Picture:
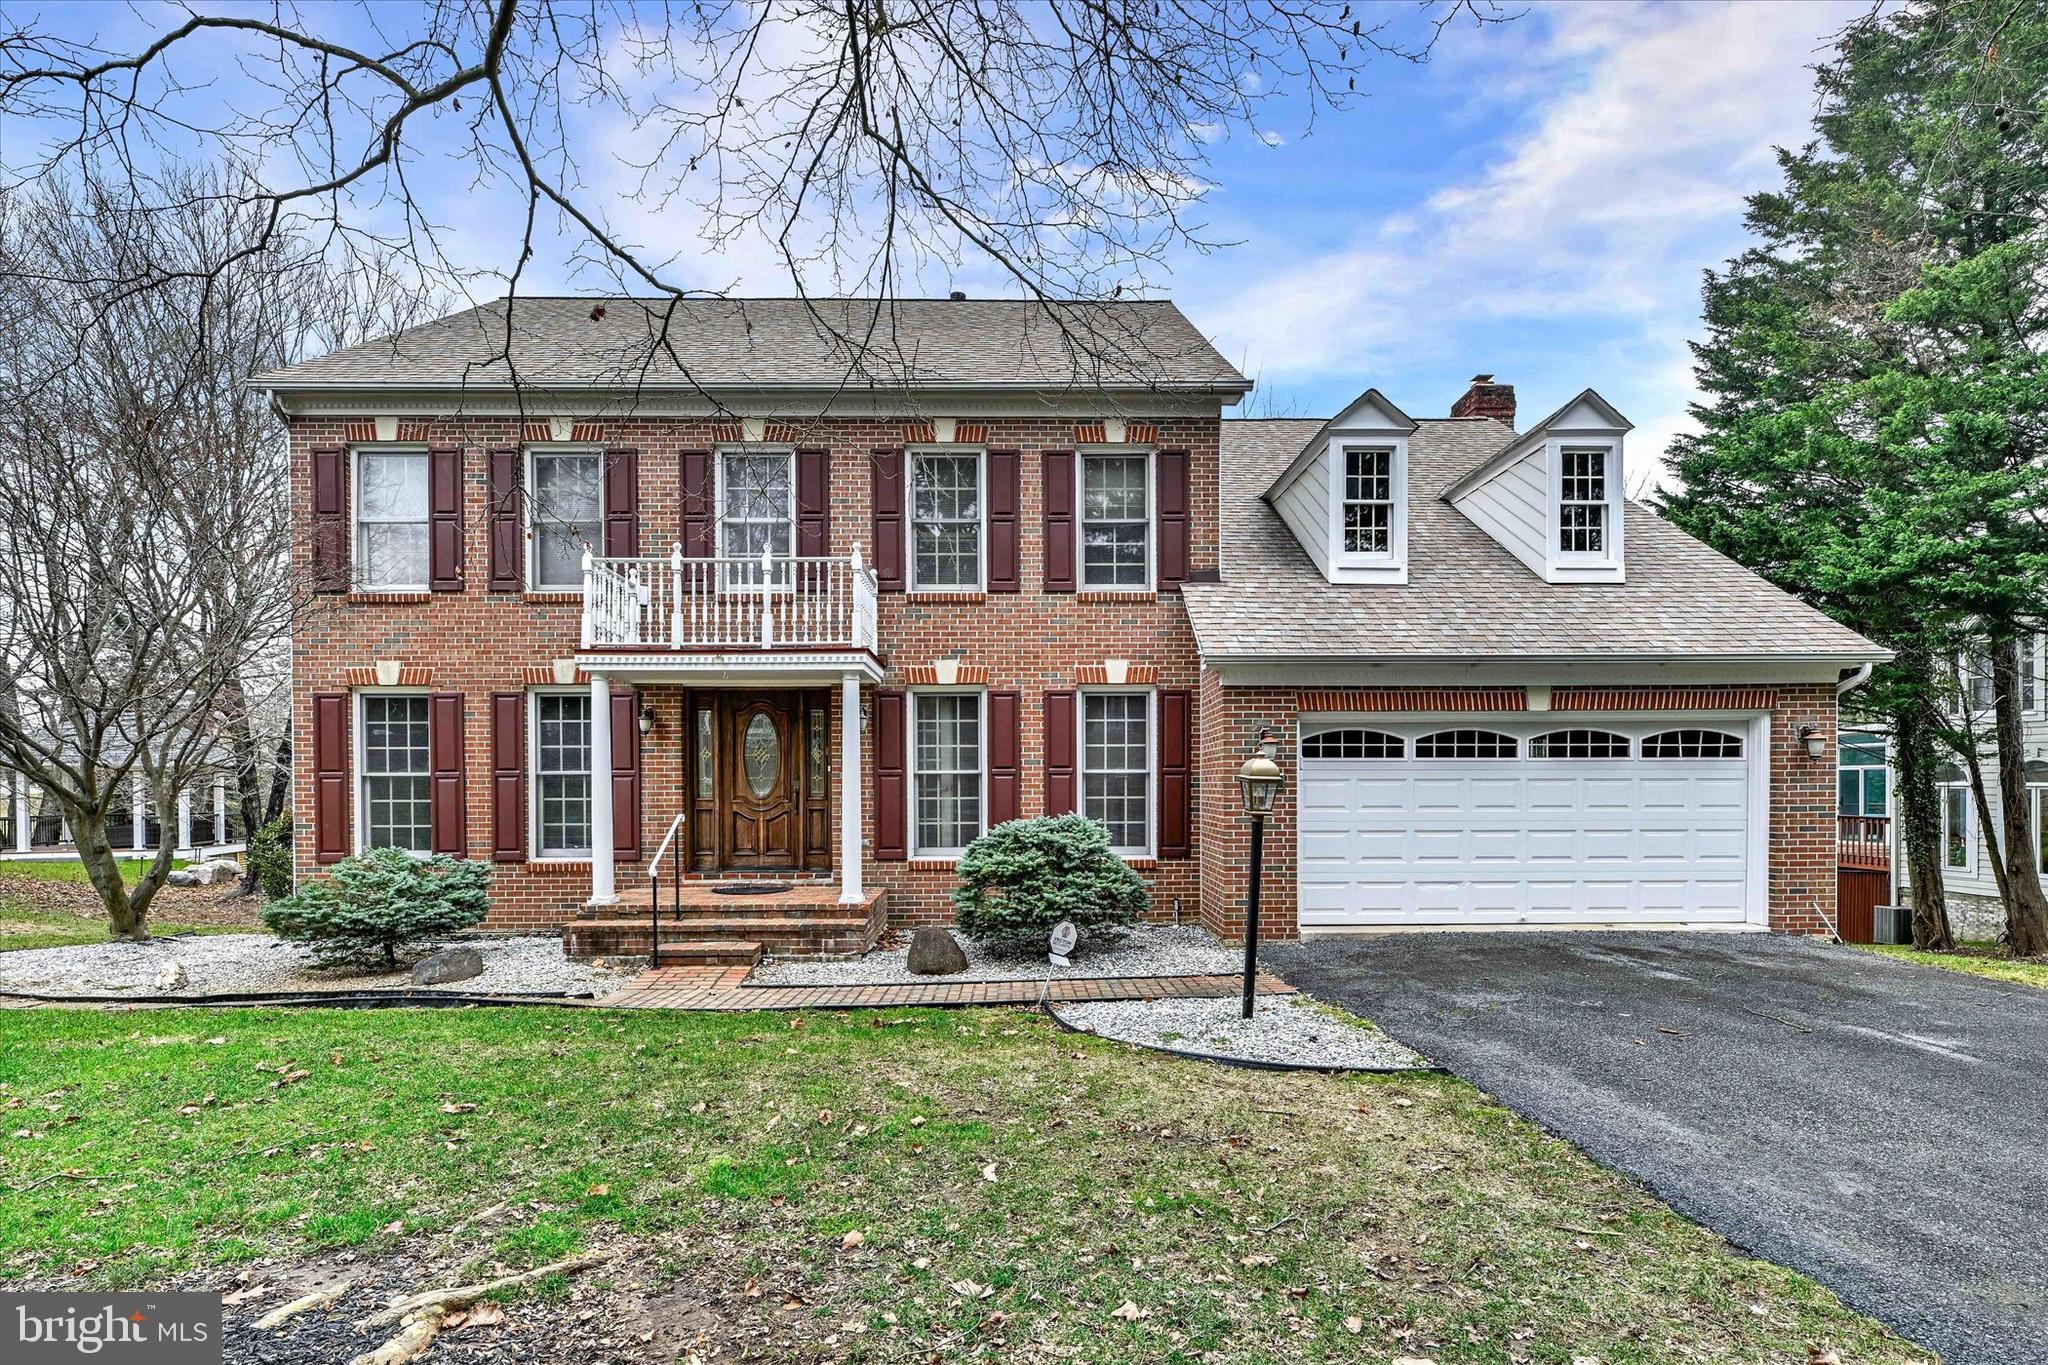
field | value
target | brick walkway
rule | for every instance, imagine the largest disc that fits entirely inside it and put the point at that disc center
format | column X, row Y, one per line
column 719, row 988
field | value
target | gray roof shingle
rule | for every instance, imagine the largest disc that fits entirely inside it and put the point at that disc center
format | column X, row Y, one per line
column 1466, row 596
column 786, row 343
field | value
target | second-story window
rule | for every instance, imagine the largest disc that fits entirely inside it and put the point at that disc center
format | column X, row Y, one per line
column 757, row 504
column 946, row 520
column 391, row 520
column 1582, row 502
column 1368, row 502
column 1116, row 521
column 566, row 514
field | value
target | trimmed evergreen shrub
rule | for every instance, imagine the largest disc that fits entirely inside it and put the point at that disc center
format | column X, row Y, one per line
column 1021, row 878
column 270, row 857
column 372, row 905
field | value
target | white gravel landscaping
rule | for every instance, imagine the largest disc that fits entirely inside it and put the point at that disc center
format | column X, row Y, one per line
column 228, row 964
column 1288, row 1029
column 1149, row 950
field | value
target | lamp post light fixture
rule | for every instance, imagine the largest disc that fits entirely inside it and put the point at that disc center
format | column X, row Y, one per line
column 1259, row 783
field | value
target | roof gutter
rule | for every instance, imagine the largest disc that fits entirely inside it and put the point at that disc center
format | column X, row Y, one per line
column 1862, row 660
column 1239, row 387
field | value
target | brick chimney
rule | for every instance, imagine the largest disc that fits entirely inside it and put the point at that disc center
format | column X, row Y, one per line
column 1487, row 399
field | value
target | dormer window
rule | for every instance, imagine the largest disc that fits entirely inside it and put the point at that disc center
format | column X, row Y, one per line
column 1345, row 496
column 1368, row 501
column 1582, row 501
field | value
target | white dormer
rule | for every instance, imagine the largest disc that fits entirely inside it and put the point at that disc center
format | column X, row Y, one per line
column 1553, row 496
column 1345, row 496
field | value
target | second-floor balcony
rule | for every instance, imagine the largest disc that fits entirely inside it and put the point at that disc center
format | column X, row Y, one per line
column 728, row 606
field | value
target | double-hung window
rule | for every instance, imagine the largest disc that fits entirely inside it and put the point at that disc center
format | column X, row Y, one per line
column 565, row 514
column 1116, row 767
column 561, row 774
column 1955, row 829
column 391, row 520
column 757, row 503
column 1861, row 777
column 946, row 766
column 395, row 782
column 1116, row 521
column 1369, row 501
column 1582, row 501
column 945, row 520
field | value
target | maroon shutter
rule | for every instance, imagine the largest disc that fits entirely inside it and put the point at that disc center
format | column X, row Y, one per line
column 445, row 742
column 1172, row 473
column 507, row 535
column 621, row 503
column 1003, row 501
column 1060, row 790
column 1176, row 777
column 508, row 777
column 330, row 776
column 444, row 518
column 626, row 776
column 1005, row 739
column 892, row 733
column 1058, row 494
column 330, row 520
column 887, row 504
column 813, row 503
column 696, row 476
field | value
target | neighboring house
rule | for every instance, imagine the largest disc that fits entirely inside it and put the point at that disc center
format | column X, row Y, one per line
column 1503, row 694
column 206, row 821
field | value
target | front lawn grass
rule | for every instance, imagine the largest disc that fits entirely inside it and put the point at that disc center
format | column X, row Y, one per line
column 1014, row 1187
column 22, row 926
column 1978, row 958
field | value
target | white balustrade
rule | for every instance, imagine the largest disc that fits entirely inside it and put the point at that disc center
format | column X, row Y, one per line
column 731, row 603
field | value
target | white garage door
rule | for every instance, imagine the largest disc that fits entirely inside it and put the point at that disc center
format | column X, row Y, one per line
column 1521, row 823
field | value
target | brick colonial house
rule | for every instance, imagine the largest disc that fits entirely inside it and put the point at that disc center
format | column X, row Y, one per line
column 730, row 614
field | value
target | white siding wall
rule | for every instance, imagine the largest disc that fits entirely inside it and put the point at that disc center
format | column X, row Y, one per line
column 1512, row 507
column 1305, row 506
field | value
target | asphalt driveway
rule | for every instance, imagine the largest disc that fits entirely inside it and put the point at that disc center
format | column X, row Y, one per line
column 1879, row 1126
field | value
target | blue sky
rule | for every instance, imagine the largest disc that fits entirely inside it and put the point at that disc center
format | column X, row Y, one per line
column 1538, row 201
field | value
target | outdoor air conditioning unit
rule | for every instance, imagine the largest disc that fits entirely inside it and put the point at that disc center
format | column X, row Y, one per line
column 1891, row 924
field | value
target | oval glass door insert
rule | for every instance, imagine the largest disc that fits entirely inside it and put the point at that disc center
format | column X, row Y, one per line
column 763, row 755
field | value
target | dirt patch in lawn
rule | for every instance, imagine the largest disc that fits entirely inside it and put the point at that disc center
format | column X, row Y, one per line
column 41, row 896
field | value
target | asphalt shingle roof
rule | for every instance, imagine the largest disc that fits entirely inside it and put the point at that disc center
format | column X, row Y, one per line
column 1466, row 596
column 784, row 343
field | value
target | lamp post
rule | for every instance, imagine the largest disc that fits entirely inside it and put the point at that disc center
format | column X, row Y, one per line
column 1259, row 782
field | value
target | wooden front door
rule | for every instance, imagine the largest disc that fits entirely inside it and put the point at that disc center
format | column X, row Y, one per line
column 759, row 752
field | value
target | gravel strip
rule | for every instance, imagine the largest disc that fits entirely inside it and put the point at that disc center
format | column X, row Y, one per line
column 1288, row 1029
column 220, row 964
column 1149, row 950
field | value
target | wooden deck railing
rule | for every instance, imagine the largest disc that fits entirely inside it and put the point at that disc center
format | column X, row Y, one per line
column 1864, row 841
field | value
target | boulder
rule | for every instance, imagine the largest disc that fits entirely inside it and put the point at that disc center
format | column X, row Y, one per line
column 214, row 872
column 184, row 876
column 450, row 964
column 933, row 952
column 172, row 976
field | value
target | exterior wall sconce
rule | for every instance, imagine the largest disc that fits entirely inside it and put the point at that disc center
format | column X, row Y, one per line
column 1815, row 739
column 647, row 720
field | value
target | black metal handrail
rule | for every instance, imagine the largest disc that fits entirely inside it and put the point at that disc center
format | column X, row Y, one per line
column 654, row 892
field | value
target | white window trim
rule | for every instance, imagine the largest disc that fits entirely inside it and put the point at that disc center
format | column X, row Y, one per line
column 532, row 510
column 1356, row 567
column 1969, row 867
column 718, row 495
column 358, row 770
column 1151, row 695
column 1151, row 456
column 918, row 850
column 1607, row 566
column 533, row 696
column 980, row 454
column 2036, row 791
column 355, row 514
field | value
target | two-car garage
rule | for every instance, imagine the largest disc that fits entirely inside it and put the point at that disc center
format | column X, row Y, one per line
column 1584, row 820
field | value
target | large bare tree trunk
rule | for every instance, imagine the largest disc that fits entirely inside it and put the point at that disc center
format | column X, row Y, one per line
column 1919, row 816
column 127, row 910
column 2026, row 907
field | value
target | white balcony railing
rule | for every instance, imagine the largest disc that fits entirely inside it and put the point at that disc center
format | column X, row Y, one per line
column 728, row 604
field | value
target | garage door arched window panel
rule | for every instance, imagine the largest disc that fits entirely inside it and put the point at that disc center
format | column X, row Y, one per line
column 1579, row 744
column 1353, row 743
column 1693, row 744
column 1466, row 744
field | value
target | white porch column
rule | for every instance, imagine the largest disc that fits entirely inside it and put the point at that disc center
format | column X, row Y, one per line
column 603, row 891
column 138, row 813
column 184, row 849
column 849, row 789
column 220, row 812
column 21, row 813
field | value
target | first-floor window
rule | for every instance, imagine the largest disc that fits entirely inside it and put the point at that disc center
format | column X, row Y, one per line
column 1116, row 767
column 1955, row 827
column 561, row 773
column 2036, row 795
column 946, row 761
column 1862, row 778
column 396, row 795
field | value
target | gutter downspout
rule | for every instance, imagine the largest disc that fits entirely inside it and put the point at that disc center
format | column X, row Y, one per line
column 1856, row 679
